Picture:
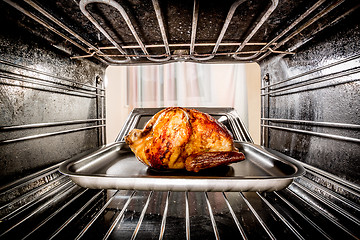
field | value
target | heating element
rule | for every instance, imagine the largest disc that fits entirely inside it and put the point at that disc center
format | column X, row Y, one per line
column 187, row 50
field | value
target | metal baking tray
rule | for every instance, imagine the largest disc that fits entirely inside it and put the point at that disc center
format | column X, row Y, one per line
column 116, row 167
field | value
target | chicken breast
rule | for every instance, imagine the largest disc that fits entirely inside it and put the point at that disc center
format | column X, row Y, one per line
column 177, row 138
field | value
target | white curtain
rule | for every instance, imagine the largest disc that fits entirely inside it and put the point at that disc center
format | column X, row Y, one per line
column 188, row 85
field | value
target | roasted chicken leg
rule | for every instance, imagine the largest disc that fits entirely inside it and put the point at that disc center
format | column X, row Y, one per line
column 177, row 138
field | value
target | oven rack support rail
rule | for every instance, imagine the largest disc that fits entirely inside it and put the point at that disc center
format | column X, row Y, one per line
column 338, row 72
column 267, row 48
column 27, row 77
column 49, row 205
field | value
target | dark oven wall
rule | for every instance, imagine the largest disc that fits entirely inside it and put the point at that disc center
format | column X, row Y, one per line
column 311, row 100
column 48, row 102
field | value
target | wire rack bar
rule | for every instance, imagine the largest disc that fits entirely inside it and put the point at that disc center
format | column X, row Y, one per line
column 313, row 123
column 323, row 213
column 77, row 213
column 212, row 218
column 82, row 191
column 163, row 221
column 48, row 124
column 61, row 192
column 49, row 83
column 343, row 200
column 49, row 134
column 283, row 219
column 325, row 135
column 237, row 130
column 348, row 59
column 328, row 203
column 35, row 180
column 47, row 74
column 5, row 81
column 244, row 131
column 40, row 82
column 22, row 198
column 120, row 215
column 30, row 204
column 96, row 216
column 262, row 223
column 141, row 216
column 59, row 23
column 345, row 185
column 303, row 216
column 315, row 80
column 187, row 216
column 229, row 16
column 241, row 230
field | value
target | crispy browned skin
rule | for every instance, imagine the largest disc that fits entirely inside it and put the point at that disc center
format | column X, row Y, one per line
column 199, row 161
column 177, row 138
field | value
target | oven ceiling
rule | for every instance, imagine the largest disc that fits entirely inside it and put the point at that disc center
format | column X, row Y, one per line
column 134, row 31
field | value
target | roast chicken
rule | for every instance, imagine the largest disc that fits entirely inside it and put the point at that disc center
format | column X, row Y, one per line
column 178, row 138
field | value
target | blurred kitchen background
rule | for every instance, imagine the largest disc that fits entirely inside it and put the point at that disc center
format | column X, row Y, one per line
column 186, row 85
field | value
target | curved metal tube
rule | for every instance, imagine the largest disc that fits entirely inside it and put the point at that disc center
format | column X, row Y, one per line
column 266, row 15
column 229, row 16
column 163, row 33
column 291, row 26
column 305, row 25
column 194, row 26
column 46, row 25
column 123, row 13
column 83, row 4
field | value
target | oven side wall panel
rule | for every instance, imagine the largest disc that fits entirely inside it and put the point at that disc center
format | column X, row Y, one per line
column 29, row 97
column 331, row 94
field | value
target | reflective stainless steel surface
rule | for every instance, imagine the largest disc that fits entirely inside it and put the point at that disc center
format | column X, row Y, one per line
column 116, row 167
column 47, row 205
column 107, row 30
column 51, row 99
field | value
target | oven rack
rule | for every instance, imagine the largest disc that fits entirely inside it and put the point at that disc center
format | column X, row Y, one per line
column 49, row 205
column 19, row 75
column 172, row 53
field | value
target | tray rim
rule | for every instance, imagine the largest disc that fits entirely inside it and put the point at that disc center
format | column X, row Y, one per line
column 179, row 183
column 64, row 167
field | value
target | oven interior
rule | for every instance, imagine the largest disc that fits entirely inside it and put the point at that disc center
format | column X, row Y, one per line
column 53, row 56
